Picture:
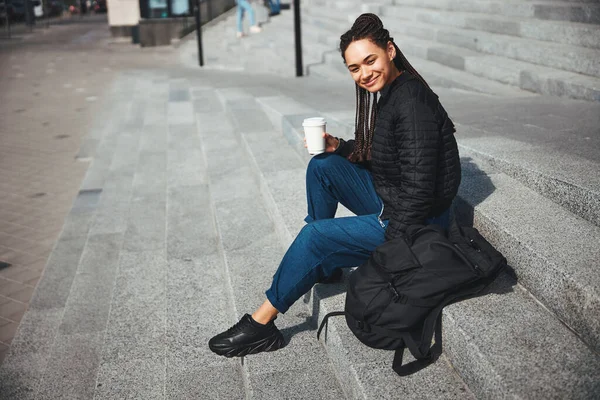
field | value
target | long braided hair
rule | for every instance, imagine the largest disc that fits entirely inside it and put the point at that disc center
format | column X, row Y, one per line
column 369, row 26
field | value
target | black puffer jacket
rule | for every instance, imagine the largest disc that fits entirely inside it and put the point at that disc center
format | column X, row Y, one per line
column 414, row 157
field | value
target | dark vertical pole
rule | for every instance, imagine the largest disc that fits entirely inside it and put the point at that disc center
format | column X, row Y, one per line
column 298, row 37
column 6, row 18
column 46, row 12
column 145, row 9
column 7, row 23
column 199, row 34
column 29, row 14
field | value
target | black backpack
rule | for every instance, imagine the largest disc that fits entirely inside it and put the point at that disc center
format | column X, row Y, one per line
column 395, row 299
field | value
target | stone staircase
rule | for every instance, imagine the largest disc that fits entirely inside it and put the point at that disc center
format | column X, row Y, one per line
column 548, row 47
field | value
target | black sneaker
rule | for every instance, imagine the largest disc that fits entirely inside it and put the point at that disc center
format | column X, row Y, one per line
column 247, row 337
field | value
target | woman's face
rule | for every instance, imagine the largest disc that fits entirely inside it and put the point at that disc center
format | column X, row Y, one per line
column 371, row 66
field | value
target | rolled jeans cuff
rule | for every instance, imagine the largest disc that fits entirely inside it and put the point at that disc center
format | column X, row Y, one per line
column 281, row 307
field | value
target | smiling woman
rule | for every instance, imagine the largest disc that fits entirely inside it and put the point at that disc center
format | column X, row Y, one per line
column 401, row 169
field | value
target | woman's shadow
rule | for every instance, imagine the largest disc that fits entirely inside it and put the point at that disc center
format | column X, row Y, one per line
column 475, row 187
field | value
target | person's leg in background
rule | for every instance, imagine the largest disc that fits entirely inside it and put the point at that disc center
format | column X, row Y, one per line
column 239, row 19
column 245, row 7
column 275, row 7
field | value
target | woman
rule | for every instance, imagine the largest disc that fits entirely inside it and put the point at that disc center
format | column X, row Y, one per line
column 401, row 169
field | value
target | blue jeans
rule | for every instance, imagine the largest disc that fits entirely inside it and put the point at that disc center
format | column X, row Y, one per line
column 327, row 243
column 244, row 5
column 275, row 6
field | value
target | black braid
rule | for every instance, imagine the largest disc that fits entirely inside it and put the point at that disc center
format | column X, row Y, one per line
column 403, row 65
column 359, row 133
column 369, row 26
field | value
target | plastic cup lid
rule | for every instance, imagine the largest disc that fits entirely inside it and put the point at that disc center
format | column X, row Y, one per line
column 316, row 121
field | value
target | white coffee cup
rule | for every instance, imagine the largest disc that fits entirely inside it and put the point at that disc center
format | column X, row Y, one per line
column 314, row 128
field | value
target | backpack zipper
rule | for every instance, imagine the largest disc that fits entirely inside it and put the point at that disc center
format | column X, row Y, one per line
column 473, row 266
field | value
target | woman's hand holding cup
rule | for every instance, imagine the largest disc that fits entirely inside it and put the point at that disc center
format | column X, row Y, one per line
column 331, row 143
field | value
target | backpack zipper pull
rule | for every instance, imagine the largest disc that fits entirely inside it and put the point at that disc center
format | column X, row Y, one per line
column 394, row 291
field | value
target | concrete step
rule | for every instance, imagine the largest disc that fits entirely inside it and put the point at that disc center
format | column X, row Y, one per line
column 284, row 46
column 438, row 75
column 524, row 75
column 251, row 251
column 266, row 52
column 366, row 373
column 275, row 50
column 570, row 181
column 556, row 265
column 495, row 358
column 549, row 145
column 545, row 10
column 419, row 40
column 327, row 72
column 570, row 33
column 335, row 27
column 521, row 74
column 554, row 55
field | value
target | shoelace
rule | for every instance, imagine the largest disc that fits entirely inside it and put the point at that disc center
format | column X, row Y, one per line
column 236, row 328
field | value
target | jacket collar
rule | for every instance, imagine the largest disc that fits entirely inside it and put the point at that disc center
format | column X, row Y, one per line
column 399, row 81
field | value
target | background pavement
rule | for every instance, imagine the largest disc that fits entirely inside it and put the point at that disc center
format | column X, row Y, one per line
column 54, row 83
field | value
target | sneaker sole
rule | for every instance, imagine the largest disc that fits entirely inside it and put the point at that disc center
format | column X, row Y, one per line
column 271, row 343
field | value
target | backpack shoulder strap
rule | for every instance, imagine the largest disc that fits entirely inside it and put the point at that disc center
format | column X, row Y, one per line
column 411, row 367
column 423, row 357
column 424, row 354
column 326, row 318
